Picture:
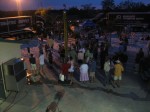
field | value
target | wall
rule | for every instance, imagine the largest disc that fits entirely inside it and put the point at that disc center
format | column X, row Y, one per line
column 8, row 51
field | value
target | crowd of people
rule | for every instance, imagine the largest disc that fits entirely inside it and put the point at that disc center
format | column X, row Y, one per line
column 85, row 57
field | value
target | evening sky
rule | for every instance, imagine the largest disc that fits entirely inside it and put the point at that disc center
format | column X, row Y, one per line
column 55, row 4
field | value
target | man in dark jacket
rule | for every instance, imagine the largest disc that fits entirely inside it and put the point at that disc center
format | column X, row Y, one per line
column 33, row 64
column 138, row 59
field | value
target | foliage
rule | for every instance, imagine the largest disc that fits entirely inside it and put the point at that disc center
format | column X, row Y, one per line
column 73, row 10
column 49, row 17
column 125, row 5
column 130, row 5
column 86, row 12
column 87, row 7
column 41, row 12
column 108, row 4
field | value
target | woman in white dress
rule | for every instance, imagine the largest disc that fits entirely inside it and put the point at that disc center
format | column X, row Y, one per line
column 84, row 72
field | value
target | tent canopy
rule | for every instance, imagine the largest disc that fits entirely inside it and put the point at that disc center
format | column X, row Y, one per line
column 88, row 23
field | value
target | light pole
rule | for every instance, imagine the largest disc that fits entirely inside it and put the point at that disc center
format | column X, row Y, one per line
column 65, row 33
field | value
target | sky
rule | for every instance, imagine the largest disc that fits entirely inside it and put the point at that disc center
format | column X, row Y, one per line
column 55, row 4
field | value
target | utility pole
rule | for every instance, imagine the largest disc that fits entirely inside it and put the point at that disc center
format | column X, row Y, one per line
column 65, row 32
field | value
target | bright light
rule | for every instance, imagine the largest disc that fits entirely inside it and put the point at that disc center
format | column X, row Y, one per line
column 18, row 2
column 21, row 59
column 29, row 74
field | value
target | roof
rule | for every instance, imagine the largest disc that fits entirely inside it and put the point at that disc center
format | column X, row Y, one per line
column 14, row 17
column 16, row 32
column 88, row 23
column 13, row 41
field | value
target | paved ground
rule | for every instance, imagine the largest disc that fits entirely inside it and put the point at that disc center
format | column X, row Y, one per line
column 130, row 97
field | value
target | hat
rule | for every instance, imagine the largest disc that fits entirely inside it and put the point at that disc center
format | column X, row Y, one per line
column 118, row 61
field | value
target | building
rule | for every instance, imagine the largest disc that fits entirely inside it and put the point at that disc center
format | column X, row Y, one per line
column 17, row 28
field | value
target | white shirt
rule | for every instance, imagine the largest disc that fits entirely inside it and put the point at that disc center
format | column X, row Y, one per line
column 41, row 58
column 84, row 68
column 107, row 66
column 80, row 56
column 82, row 49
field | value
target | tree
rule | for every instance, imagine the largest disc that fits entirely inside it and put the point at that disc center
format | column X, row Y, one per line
column 48, row 18
column 148, row 7
column 41, row 12
column 108, row 4
column 73, row 11
column 137, row 6
column 130, row 5
column 124, row 5
column 87, row 7
column 87, row 11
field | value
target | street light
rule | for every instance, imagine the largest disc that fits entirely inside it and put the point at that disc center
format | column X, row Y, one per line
column 18, row 7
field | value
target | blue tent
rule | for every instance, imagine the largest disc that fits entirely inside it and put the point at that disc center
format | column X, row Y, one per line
column 33, row 43
column 88, row 23
column 30, row 44
column 23, row 46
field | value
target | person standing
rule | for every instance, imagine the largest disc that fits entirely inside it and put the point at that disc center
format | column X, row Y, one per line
column 108, row 66
column 41, row 59
column 95, row 50
column 64, row 69
column 71, row 69
column 92, row 69
column 84, row 72
column 46, row 50
column 102, row 58
column 139, row 57
column 50, row 42
column 50, row 57
column 62, row 53
column 80, row 57
column 87, row 55
column 73, row 54
column 33, row 64
column 118, row 70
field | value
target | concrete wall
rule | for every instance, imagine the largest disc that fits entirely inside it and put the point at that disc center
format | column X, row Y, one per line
column 8, row 51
